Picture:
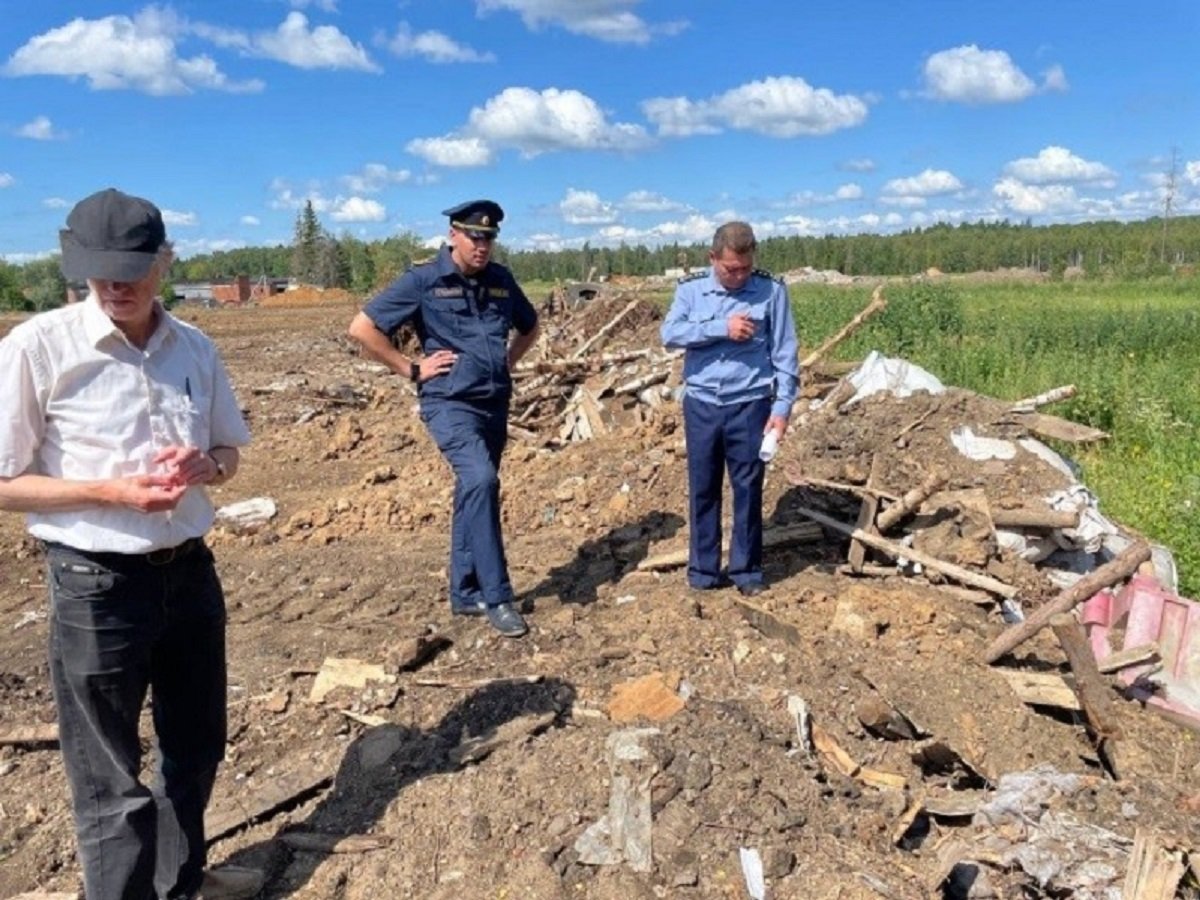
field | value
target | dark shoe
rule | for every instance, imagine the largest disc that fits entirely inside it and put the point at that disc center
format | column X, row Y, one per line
column 231, row 883
column 506, row 620
column 478, row 608
column 718, row 585
column 751, row 589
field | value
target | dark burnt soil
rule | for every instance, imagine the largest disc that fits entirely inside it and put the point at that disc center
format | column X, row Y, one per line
column 477, row 762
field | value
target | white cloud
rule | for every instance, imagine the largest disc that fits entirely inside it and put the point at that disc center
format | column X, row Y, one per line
column 40, row 129
column 586, row 208
column 374, row 177
column 1058, row 164
column 120, row 53
column 322, row 47
column 434, row 47
column 969, row 75
column 1191, row 172
column 171, row 217
column 914, row 191
column 782, row 107
column 606, row 20
column 6, row 180
column 1032, row 200
column 649, row 201
column 1055, row 79
column 293, row 43
column 357, row 209
column 532, row 123
column 850, row 191
column 858, row 165
column 453, row 152
column 801, row 225
column 250, row 220
column 55, row 203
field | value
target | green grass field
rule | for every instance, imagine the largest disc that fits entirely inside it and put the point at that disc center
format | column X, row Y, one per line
column 1129, row 347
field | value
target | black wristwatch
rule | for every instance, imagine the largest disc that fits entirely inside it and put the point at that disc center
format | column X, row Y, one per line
column 414, row 371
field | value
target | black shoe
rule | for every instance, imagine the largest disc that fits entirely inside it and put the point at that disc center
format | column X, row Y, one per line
column 468, row 609
column 751, row 588
column 506, row 620
column 719, row 585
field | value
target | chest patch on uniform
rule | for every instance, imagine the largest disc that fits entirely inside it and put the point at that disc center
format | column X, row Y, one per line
column 449, row 292
column 497, row 292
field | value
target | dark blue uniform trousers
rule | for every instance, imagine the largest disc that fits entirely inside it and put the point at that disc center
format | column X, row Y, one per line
column 720, row 438
column 120, row 626
column 471, row 436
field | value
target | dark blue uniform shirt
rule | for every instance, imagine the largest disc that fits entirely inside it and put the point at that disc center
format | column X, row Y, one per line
column 472, row 316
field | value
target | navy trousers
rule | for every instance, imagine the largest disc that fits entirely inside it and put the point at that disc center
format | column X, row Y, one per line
column 721, row 438
column 119, row 627
column 471, row 436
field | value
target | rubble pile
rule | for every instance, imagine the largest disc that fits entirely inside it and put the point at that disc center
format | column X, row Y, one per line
column 951, row 688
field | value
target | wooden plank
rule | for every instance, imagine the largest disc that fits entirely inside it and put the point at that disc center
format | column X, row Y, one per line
column 1107, row 575
column 231, row 813
column 1130, row 656
column 799, row 533
column 1154, row 872
column 866, row 520
column 29, row 735
column 768, row 623
column 1042, row 689
column 1058, row 429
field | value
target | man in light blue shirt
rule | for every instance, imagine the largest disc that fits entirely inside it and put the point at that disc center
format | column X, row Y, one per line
column 741, row 372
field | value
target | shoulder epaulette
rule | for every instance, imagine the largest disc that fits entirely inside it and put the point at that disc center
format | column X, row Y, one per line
column 765, row 274
column 692, row 276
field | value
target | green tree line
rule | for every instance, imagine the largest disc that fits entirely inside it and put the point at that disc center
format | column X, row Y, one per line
column 316, row 256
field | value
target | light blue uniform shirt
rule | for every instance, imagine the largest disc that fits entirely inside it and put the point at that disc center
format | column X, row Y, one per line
column 720, row 370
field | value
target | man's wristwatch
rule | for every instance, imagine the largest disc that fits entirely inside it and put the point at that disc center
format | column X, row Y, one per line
column 414, row 371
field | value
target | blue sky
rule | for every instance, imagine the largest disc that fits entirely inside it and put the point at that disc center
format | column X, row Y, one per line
column 643, row 121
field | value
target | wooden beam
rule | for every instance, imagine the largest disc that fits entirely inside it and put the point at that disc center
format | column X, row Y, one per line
column 877, row 304
column 910, row 501
column 894, row 550
column 1107, row 575
column 1090, row 687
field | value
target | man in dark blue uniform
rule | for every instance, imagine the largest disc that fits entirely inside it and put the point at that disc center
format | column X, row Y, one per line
column 740, row 372
column 462, row 307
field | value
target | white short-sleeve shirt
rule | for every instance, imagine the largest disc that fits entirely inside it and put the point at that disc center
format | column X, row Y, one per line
column 79, row 402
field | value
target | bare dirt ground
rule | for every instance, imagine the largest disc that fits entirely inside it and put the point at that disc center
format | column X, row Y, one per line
column 488, row 759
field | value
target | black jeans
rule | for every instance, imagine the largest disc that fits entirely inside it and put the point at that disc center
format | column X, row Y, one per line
column 121, row 626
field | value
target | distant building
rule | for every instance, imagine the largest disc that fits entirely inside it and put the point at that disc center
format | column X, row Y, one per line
column 228, row 292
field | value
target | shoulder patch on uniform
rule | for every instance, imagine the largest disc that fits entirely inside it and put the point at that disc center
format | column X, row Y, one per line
column 692, row 276
column 765, row 274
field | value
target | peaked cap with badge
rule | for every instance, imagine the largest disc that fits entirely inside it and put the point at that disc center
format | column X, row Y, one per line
column 476, row 217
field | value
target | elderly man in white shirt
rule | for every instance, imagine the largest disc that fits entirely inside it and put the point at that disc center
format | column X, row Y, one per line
column 116, row 415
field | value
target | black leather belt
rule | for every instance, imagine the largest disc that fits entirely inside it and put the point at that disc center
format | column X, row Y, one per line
column 161, row 557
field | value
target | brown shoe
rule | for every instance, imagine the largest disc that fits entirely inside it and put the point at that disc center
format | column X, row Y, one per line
column 231, row 883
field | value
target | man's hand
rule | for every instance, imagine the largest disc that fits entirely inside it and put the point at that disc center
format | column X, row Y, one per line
column 147, row 493
column 187, row 465
column 740, row 327
column 778, row 424
column 437, row 363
